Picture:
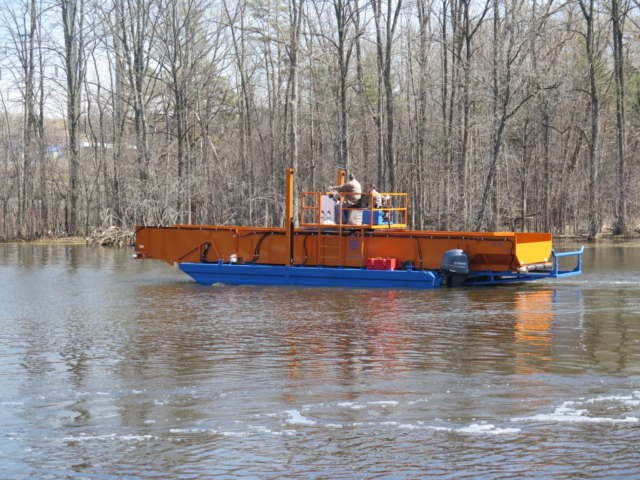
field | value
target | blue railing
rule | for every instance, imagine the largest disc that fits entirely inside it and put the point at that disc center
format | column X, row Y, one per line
column 490, row 277
column 556, row 272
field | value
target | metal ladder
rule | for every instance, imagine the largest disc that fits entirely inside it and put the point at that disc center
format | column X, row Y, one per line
column 329, row 248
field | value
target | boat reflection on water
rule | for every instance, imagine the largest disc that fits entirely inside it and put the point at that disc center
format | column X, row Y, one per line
column 533, row 330
column 387, row 343
column 364, row 341
column 357, row 338
column 379, row 336
column 389, row 340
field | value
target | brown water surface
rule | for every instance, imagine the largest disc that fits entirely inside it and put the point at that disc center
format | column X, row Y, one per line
column 114, row 368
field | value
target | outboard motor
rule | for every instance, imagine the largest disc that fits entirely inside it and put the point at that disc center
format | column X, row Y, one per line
column 454, row 268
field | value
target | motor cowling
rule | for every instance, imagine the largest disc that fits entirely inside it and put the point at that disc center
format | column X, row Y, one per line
column 454, row 268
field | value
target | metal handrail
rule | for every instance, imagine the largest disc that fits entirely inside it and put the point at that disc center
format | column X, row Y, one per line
column 556, row 267
column 316, row 207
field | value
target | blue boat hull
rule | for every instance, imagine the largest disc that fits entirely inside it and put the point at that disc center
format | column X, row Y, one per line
column 251, row 274
column 234, row 274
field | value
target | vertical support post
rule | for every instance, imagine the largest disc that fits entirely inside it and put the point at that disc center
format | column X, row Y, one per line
column 289, row 220
column 554, row 272
column 341, row 175
column 363, row 258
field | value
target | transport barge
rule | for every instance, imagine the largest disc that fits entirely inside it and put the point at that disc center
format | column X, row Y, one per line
column 372, row 249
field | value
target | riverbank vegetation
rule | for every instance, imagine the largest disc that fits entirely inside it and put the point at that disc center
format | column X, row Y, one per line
column 513, row 115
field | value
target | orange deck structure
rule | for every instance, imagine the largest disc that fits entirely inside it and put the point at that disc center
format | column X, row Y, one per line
column 317, row 243
column 350, row 248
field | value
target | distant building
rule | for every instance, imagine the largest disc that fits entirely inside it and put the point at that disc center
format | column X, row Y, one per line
column 95, row 145
column 53, row 152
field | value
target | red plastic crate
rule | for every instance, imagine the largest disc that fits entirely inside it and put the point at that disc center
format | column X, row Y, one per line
column 381, row 263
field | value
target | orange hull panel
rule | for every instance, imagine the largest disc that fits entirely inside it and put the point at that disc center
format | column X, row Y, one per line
column 486, row 251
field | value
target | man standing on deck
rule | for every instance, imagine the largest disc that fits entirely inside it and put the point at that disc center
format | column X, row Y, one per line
column 352, row 189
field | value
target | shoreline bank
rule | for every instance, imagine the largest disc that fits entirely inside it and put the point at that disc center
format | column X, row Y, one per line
column 91, row 240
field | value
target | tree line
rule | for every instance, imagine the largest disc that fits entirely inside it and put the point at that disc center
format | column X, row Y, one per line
column 517, row 115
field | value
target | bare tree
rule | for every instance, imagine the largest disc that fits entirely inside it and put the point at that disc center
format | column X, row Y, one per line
column 344, row 11
column 135, row 24
column 510, row 41
column 619, row 10
column 23, row 25
column 184, row 47
column 468, row 28
column 296, row 13
column 384, row 43
column 588, row 8
column 72, row 16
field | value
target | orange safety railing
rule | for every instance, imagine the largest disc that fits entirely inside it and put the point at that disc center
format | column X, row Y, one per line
column 319, row 210
column 310, row 213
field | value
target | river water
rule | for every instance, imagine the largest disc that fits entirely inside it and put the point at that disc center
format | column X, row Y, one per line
column 115, row 368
